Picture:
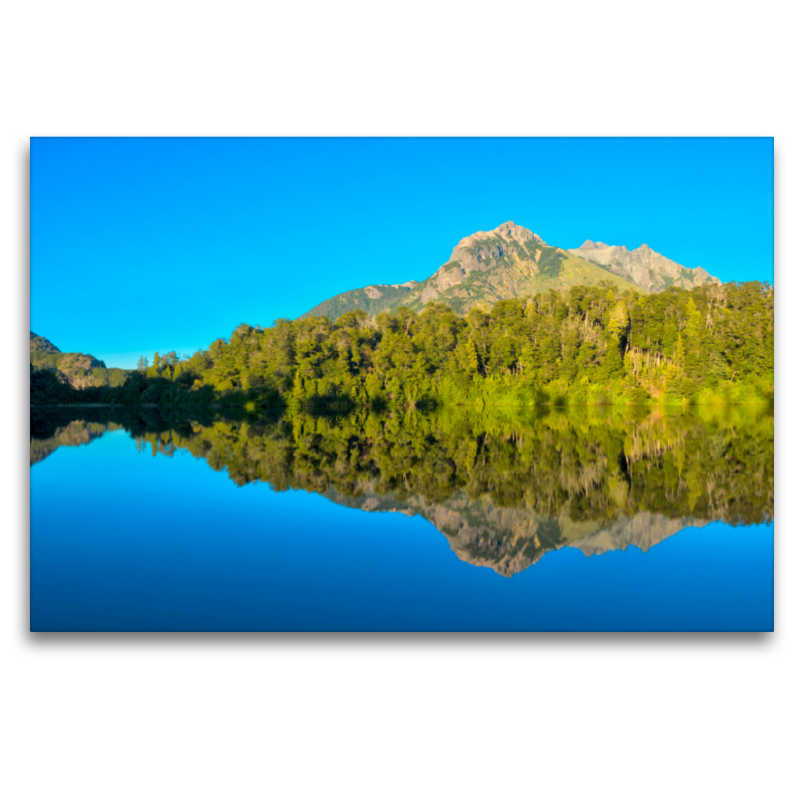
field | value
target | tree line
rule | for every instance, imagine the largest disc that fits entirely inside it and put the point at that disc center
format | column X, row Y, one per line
column 586, row 346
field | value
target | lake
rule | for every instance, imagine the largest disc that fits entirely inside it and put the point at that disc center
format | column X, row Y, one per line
column 601, row 519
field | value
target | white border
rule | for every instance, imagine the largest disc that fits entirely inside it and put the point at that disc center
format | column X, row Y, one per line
column 561, row 716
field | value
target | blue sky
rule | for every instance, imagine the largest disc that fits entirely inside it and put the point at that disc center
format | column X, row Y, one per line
column 140, row 245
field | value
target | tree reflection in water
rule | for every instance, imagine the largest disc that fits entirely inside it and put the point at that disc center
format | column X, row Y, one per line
column 503, row 487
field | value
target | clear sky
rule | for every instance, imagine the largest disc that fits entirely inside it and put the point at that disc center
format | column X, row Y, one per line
column 140, row 245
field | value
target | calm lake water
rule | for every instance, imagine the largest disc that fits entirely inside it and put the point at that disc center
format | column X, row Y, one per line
column 579, row 520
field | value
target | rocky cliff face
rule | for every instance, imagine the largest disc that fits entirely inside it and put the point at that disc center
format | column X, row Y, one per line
column 509, row 261
column 643, row 266
column 507, row 245
column 76, row 369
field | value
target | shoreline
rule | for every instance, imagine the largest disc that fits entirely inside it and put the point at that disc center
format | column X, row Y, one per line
column 218, row 407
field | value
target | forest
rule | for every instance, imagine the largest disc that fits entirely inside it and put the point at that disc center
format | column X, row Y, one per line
column 713, row 344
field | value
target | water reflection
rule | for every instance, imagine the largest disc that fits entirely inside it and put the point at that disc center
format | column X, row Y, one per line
column 504, row 489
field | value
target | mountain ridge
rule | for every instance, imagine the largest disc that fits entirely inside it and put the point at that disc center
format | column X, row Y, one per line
column 649, row 269
column 513, row 261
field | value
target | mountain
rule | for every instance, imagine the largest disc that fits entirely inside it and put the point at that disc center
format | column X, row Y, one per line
column 509, row 540
column 76, row 369
column 511, row 261
column 645, row 267
column 487, row 266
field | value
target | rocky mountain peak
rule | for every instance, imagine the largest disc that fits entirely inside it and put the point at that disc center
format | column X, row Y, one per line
column 590, row 245
column 509, row 231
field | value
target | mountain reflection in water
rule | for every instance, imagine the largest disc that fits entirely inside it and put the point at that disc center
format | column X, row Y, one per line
column 504, row 488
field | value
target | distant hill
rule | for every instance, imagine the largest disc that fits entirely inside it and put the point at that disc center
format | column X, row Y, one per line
column 41, row 345
column 76, row 369
column 645, row 267
column 512, row 261
column 74, row 434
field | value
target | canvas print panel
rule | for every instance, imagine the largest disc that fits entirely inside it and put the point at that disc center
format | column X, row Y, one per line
column 395, row 385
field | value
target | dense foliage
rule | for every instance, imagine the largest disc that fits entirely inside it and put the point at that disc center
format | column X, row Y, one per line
column 590, row 345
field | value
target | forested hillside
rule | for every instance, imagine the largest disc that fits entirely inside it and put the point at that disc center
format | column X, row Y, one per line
column 75, row 370
column 588, row 345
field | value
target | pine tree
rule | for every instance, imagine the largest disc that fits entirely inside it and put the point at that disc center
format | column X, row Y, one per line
column 680, row 353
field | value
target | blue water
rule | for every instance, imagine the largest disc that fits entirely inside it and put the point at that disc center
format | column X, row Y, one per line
column 125, row 541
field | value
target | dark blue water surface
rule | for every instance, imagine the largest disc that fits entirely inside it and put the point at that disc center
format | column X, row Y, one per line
column 122, row 540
